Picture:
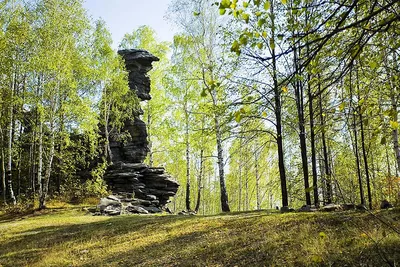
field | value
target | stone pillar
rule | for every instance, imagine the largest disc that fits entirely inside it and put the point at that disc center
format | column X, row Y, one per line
column 133, row 182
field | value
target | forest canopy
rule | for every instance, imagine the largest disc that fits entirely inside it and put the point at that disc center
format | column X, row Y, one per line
column 255, row 104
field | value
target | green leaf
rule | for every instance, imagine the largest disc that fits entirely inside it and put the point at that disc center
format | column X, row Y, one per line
column 238, row 116
column 203, row 93
column 261, row 22
column 284, row 2
column 245, row 4
column 267, row 5
column 246, row 17
column 196, row 14
column 222, row 11
column 272, row 43
column 373, row 65
column 260, row 45
column 243, row 40
column 394, row 124
column 342, row 106
column 225, row 4
column 256, row 2
column 235, row 47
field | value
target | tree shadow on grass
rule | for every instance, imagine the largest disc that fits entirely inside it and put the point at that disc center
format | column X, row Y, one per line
column 252, row 239
column 239, row 244
column 31, row 246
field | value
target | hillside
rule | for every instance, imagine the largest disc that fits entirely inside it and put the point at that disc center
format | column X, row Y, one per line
column 71, row 237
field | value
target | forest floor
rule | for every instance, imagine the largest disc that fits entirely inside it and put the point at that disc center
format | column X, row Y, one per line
column 72, row 237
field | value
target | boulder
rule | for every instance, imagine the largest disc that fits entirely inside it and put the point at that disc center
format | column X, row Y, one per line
column 152, row 209
column 307, row 208
column 141, row 202
column 112, row 210
column 108, row 201
column 136, row 209
column 386, row 204
column 331, row 207
column 286, row 209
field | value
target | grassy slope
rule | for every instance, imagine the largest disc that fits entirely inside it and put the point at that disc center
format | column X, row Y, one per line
column 69, row 237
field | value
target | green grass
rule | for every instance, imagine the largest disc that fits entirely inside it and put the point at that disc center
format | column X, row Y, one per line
column 70, row 237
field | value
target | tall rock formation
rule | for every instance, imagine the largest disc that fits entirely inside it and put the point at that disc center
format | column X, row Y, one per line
column 137, row 187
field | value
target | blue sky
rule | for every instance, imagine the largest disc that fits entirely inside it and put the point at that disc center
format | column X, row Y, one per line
column 123, row 16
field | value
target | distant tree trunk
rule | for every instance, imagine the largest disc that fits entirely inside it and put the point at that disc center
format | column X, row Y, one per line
column 257, row 181
column 220, row 156
column 240, row 175
column 40, row 142
column 353, row 110
column 312, row 140
column 395, row 131
column 32, row 160
column 60, row 148
column 394, row 99
column 3, row 169
column 46, row 180
column 107, row 148
column 389, row 175
column 328, row 178
column 10, row 142
column 278, row 115
column 187, row 157
column 19, row 173
column 298, row 88
column 40, row 159
column 322, row 175
column 364, row 152
column 200, row 187
column 224, row 194
column 246, row 188
column 312, row 129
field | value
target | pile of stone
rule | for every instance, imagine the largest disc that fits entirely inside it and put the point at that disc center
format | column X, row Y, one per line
column 118, row 204
column 151, row 185
column 136, row 187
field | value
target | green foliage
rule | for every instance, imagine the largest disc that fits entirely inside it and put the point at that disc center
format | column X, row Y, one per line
column 56, row 62
column 96, row 188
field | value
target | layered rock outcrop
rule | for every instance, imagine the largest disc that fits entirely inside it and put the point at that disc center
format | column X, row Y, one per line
column 135, row 185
